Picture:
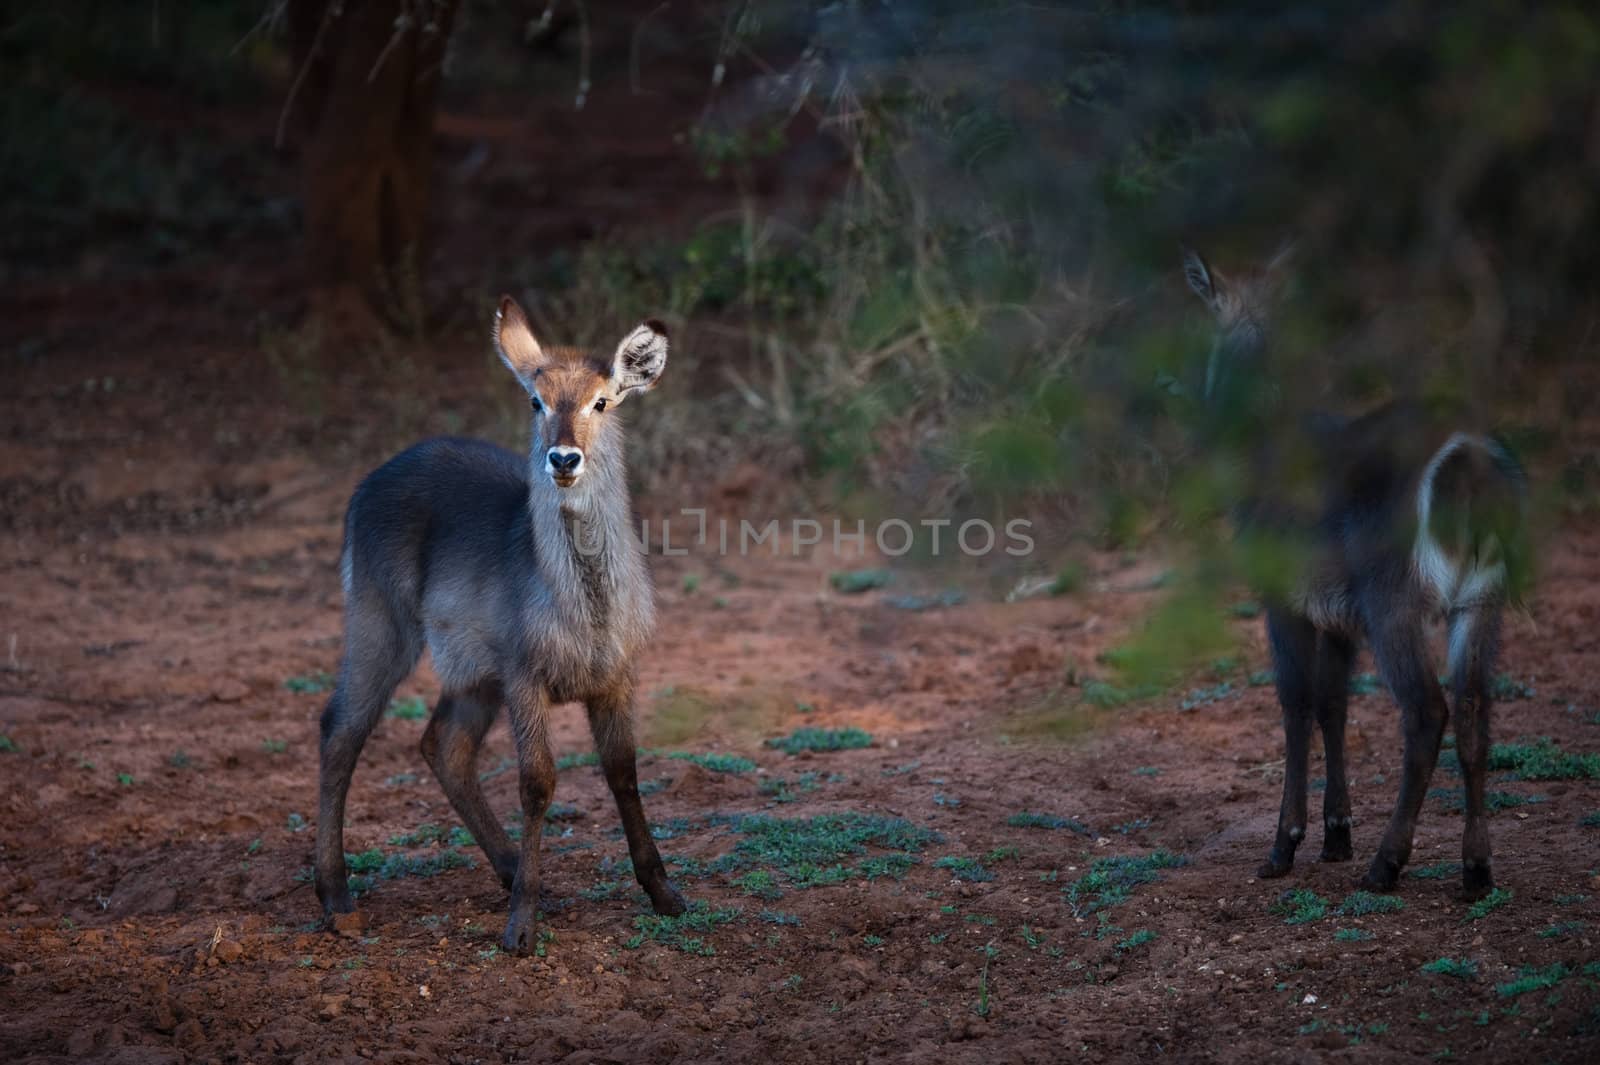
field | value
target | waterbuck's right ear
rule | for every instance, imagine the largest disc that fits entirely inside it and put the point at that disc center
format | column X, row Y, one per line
column 1206, row 285
column 515, row 343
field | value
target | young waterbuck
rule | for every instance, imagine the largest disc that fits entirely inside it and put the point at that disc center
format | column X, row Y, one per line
column 524, row 580
column 1391, row 520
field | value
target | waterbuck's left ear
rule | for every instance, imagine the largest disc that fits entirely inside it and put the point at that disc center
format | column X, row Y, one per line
column 640, row 358
column 1199, row 275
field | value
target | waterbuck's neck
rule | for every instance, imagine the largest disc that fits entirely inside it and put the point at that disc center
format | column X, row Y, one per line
column 587, row 552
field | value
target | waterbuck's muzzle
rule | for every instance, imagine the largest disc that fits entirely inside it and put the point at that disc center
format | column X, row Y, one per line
column 566, row 464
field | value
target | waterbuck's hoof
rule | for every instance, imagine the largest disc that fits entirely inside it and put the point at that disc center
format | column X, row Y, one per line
column 667, row 901
column 1334, row 851
column 1477, row 880
column 1273, row 868
column 1382, row 876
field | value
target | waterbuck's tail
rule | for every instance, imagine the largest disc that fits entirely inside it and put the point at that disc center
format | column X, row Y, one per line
column 1472, row 537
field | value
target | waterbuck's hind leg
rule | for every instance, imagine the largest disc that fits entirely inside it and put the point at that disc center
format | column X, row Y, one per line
column 1474, row 642
column 1294, row 641
column 536, row 778
column 1402, row 658
column 450, row 745
column 378, row 655
column 1335, row 656
column 611, row 721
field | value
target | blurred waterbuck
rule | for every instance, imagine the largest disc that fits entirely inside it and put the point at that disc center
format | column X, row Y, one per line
column 1388, row 521
column 524, row 580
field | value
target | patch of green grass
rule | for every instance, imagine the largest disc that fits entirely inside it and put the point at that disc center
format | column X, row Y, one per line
column 1436, row 871
column 572, row 761
column 781, row 789
column 759, row 883
column 1107, row 696
column 274, row 746
column 1543, row 760
column 1591, row 819
column 1455, row 799
column 1147, row 771
column 854, row 582
column 964, row 868
column 125, row 779
column 778, row 917
column 311, row 683
column 180, row 760
column 872, row 941
column 1111, row 880
column 1507, row 689
column 983, row 1005
column 1562, row 930
column 821, row 739
column 1463, row 969
column 1138, row 939
column 1365, row 903
column 1026, row 819
column 1488, row 904
column 1199, row 697
column 410, row 708
column 373, row 862
column 1260, row 678
column 675, row 932
column 941, row 799
column 1128, row 828
column 420, row 836
column 1352, row 935
column 295, row 823
column 1532, row 978
column 7, row 744
column 714, row 761
column 1301, row 906
column 807, row 852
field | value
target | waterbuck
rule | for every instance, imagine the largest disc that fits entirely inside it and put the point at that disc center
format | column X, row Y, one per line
column 1392, row 519
column 524, row 580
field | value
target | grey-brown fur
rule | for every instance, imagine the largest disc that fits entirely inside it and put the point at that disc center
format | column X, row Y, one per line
column 1409, row 520
column 525, row 592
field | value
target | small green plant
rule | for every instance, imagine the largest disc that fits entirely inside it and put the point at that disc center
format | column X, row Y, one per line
column 1532, row 979
column 1488, row 904
column 854, row 582
column 759, row 883
column 7, row 744
column 1147, row 771
column 1364, row 903
column 983, row 1006
column 821, row 739
column 571, row 761
column 1138, row 939
column 1463, row 969
column 675, row 932
column 1591, row 819
column 691, row 583
column 274, row 746
column 715, row 762
column 872, row 941
column 1026, row 819
column 1562, row 930
column 1437, row 871
column 180, row 760
column 295, row 823
column 1352, row 935
column 1111, row 880
column 1543, row 760
column 1507, row 689
column 125, row 779
column 408, row 708
column 1365, row 684
column 963, row 868
column 1128, row 828
column 1301, row 906
column 310, row 683
column 420, row 836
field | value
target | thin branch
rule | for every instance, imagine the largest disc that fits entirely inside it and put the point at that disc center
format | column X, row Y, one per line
column 300, row 75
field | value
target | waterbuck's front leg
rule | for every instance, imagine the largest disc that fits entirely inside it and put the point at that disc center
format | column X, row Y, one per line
column 1294, row 644
column 536, row 770
column 450, row 746
column 611, row 721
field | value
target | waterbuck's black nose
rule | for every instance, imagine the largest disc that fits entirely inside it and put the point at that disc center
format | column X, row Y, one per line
column 565, row 460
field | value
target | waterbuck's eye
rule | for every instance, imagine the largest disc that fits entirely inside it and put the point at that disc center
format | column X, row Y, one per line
column 533, row 401
column 600, row 404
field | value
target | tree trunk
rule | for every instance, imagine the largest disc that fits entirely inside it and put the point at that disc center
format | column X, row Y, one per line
column 367, row 76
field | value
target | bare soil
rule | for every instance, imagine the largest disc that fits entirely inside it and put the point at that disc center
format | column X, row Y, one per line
column 169, row 573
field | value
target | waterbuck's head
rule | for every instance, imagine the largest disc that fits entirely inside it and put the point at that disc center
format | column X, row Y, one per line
column 572, row 390
column 1242, row 305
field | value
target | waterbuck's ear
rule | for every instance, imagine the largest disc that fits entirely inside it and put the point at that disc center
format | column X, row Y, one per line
column 1199, row 275
column 640, row 358
column 515, row 343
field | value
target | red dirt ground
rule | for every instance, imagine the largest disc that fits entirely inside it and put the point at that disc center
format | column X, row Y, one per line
column 168, row 566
